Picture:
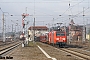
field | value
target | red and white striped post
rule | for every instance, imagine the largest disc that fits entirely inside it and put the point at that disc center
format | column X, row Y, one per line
column 23, row 24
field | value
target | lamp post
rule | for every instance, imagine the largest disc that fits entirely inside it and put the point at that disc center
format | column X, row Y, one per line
column 3, row 30
column 3, row 20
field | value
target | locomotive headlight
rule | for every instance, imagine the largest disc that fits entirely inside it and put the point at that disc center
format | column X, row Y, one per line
column 57, row 39
column 63, row 38
column 58, row 28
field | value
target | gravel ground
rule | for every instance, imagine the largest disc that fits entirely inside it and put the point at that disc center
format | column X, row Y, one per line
column 28, row 53
column 58, row 54
column 32, row 52
column 5, row 46
column 85, row 45
column 86, row 52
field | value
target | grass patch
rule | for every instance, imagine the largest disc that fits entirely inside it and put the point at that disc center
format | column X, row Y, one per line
column 31, row 43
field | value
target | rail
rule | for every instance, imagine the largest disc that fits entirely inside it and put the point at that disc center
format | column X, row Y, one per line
column 84, row 56
column 7, row 49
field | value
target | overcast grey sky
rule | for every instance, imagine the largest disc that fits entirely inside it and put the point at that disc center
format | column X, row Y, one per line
column 45, row 11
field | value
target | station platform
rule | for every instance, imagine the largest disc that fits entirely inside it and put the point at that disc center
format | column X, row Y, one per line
column 31, row 52
column 40, row 51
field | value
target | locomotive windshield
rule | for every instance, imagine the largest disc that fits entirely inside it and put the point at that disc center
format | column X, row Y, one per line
column 60, row 34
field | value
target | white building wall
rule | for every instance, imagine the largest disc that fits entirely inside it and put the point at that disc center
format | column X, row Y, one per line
column 37, row 33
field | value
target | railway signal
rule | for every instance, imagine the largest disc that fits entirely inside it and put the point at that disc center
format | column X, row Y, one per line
column 23, row 24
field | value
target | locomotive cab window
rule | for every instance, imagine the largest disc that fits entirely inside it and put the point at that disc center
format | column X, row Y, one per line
column 60, row 34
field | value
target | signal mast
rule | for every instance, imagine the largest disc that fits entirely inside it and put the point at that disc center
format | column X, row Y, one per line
column 23, row 25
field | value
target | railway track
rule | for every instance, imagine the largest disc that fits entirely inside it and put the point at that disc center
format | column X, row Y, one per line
column 7, row 43
column 7, row 49
column 75, row 53
column 75, row 50
column 82, row 55
column 83, row 51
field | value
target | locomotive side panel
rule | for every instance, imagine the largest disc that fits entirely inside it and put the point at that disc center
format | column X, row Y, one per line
column 49, row 37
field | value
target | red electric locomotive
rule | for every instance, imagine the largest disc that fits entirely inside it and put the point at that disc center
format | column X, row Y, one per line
column 57, row 38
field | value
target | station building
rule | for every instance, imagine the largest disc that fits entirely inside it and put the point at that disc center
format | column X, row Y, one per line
column 37, row 30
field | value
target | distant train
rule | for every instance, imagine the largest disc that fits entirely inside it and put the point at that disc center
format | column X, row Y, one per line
column 43, row 38
column 56, row 37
